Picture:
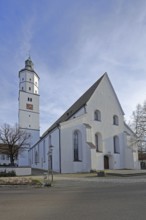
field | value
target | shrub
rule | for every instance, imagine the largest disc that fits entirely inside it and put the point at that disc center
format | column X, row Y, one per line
column 7, row 174
column 101, row 173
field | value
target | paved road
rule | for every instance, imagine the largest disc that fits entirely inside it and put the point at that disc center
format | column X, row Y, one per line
column 76, row 200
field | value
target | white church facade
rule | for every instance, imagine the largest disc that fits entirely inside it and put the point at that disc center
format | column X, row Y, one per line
column 90, row 135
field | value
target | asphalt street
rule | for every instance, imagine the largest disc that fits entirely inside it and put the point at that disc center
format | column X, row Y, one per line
column 75, row 200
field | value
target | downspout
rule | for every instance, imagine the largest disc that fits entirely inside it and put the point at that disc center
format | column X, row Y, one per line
column 59, row 146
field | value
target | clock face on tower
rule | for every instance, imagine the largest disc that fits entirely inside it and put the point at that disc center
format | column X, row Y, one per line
column 29, row 106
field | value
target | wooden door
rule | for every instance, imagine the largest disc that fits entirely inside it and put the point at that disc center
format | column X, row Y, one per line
column 106, row 162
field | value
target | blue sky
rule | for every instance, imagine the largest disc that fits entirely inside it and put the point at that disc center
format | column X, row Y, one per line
column 72, row 43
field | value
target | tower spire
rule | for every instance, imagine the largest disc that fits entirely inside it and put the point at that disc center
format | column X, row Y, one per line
column 29, row 64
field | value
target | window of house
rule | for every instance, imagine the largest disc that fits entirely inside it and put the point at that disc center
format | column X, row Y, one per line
column 2, row 157
column 97, row 115
column 29, row 88
column 116, row 144
column 98, row 142
column 30, row 79
column 115, row 120
column 77, row 146
column 22, row 88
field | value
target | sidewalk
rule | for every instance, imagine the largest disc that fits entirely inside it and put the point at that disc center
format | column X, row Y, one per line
column 122, row 173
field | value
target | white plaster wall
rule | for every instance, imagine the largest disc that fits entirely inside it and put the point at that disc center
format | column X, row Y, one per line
column 55, row 153
column 22, row 76
column 29, row 79
column 28, row 120
column 20, row 171
column 116, row 162
column 29, row 75
column 23, row 158
column 68, row 165
column 22, row 80
column 35, row 135
column 97, row 160
column 36, row 85
column 104, row 99
column 23, row 99
column 78, row 113
column 43, row 163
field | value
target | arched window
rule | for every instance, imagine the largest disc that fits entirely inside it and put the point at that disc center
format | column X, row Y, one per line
column 97, row 115
column 116, row 144
column 98, row 142
column 115, row 120
column 77, row 146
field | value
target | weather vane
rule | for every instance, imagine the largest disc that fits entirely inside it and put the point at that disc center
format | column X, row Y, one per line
column 29, row 57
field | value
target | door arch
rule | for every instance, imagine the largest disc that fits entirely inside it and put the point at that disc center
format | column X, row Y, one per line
column 106, row 162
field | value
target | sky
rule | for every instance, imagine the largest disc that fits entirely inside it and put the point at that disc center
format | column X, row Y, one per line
column 72, row 43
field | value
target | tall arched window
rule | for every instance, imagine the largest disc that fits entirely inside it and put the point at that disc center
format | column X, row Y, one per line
column 116, row 144
column 77, row 145
column 98, row 142
column 97, row 115
column 115, row 120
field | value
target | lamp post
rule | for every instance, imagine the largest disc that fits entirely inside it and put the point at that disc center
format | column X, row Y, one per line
column 50, row 159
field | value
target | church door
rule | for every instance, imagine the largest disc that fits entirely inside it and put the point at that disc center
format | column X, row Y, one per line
column 106, row 162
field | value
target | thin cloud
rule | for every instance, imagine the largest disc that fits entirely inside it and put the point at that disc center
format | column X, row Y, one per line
column 27, row 35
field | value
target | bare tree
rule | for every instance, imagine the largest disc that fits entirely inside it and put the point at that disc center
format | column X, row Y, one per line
column 138, row 125
column 13, row 141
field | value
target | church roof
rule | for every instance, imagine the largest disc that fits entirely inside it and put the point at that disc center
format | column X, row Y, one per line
column 81, row 102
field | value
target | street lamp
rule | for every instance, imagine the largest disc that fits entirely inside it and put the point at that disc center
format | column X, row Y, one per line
column 50, row 162
column 47, row 181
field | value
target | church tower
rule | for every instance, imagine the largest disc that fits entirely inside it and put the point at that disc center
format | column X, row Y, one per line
column 28, row 116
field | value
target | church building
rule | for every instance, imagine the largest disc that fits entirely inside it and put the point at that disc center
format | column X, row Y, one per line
column 90, row 135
